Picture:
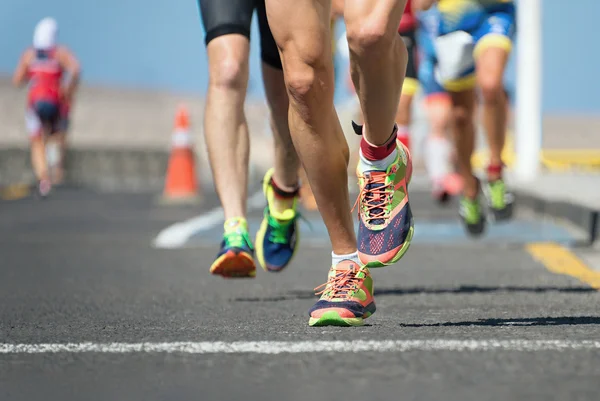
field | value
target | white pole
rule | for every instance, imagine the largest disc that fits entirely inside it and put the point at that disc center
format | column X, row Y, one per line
column 528, row 134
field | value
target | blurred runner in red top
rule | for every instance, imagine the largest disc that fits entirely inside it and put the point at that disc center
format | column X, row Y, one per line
column 43, row 67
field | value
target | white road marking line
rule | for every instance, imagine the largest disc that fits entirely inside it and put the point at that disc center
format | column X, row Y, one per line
column 178, row 234
column 287, row 347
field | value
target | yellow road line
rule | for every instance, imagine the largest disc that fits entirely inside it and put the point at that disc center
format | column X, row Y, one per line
column 560, row 260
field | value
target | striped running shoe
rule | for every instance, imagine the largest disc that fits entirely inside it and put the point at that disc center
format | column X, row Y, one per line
column 346, row 298
column 236, row 256
column 385, row 224
column 277, row 238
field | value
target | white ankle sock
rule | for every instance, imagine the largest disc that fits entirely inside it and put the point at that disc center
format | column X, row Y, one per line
column 335, row 259
column 437, row 157
column 366, row 164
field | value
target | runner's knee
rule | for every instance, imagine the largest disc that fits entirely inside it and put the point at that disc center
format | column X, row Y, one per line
column 492, row 90
column 304, row 63
column 230, row 72
column 36, row 139
column 369, row 35
column 228, row 69
column 462, row 116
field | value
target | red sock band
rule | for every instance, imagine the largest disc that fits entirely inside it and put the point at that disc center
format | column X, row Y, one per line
column 371, row 152
column 495, row 169
column 281, row 193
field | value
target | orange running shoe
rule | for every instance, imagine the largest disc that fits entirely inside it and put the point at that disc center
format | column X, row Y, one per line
column 347, row 297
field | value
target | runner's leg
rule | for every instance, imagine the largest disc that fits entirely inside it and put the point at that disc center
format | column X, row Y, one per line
column 306, row 54
column 227, row 27
column 277, row 238
column 491, row 53
column 378, row 58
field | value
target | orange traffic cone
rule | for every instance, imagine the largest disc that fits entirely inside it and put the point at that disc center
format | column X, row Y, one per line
column 181, row 185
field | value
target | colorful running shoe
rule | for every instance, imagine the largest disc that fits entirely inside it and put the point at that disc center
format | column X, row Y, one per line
column 236, row 256
column 500, row 201
column 43, row 189
column 439, row 192
column 472, row 216
column 385, row 224
column 277, row 238
column 447, row 187
column 347, row 297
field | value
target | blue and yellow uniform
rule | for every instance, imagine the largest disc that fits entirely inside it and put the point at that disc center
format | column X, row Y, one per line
column 428, row 22
column 490, row 23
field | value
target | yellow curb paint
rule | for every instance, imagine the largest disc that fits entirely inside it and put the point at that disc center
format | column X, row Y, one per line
column 556, row 160
column 14, row 192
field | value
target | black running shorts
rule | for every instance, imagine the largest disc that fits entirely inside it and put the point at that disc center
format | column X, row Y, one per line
column 224, row 17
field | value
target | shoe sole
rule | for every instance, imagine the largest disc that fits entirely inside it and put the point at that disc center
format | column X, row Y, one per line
column 232, row 265
column 476, row 230
column 332, row 318
column 42, row 196
column 499, row 215
column 260, row 235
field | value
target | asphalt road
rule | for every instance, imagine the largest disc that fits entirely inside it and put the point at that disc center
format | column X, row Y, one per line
column 79, row 268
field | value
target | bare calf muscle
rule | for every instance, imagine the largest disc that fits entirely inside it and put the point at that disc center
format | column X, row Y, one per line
column 306, row 55
column 378, row 59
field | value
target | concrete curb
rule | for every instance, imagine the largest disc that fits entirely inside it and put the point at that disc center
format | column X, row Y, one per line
column 107, row 169
column 581, row 216
column 14, row 166
column 111, row 169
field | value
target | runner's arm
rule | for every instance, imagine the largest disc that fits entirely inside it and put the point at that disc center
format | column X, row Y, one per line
column 20, row 75
column 422, row 5
column 70, row 63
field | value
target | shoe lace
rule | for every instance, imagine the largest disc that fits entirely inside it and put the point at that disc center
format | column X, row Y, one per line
column 279, row 231
column 341, row 285
column 375, row 196
column 237, row 239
